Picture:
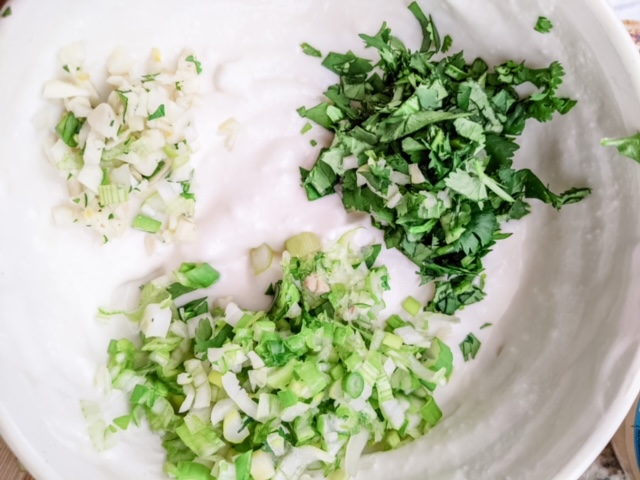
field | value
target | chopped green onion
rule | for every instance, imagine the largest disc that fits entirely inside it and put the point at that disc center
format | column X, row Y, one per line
column 113, row 194
column 243, row 466
column 309, row 50
column 306, row 384
column 147, row 224
column 303, row 244
column 412, row 306
column 430, row 412
column 261, row 258
column 123, row 421
column 353, row 384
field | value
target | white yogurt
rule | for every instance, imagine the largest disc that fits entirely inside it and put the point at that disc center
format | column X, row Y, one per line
column 52, row 280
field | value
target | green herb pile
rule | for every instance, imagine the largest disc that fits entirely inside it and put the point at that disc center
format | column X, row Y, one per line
column 304, row 386
column 424, row 142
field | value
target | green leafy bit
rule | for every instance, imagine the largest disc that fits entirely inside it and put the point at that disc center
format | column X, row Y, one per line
column 6, row 12
column 309, row 50
column 627, row 146
column 68, row 129
column 306, row 128
column 146, row 224
column 543, row 25
column 159, row 113
column 193, row 276
column 295, row 381
column 425, row 143
column 194, row 60
column 470, row 346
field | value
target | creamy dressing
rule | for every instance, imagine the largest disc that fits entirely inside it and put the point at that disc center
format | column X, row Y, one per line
column 52, row 280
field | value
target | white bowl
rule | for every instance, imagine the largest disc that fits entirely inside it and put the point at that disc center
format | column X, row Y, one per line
column 556, row 374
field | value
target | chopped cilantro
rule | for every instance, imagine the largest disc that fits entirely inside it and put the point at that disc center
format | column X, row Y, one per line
column 309, row 50
column 125, row 100
column 446, row 43
column 543, row 25
column 195, row 61
column 150, row 77
column 313, row 143
column 434, row 138
column 159, row 113
column 470, row 347
column 627, row 146
column 6, row 12
column 68, row 129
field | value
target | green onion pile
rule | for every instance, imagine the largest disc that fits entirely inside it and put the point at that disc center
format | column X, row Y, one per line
column 302, row 387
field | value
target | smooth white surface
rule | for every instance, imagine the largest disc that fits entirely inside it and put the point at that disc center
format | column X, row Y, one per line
column 555, row 374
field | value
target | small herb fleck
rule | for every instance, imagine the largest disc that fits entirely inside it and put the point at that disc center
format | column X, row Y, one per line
column 306, row 128
column 309, row 50
column 150, row 78
column 543, row 25
column 313, row 143
column 195, row 61
column 446, row 43
column 159, row 113
column 470, row 347
column 6, row 13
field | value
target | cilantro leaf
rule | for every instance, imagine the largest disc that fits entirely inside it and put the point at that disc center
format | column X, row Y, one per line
column 430, row 35
column 543, row 25
column 470, row 347
column 68, row 129
column 627, row 146
column 159, row 113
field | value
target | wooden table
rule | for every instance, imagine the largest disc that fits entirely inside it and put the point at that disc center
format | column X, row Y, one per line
column 9, row 467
